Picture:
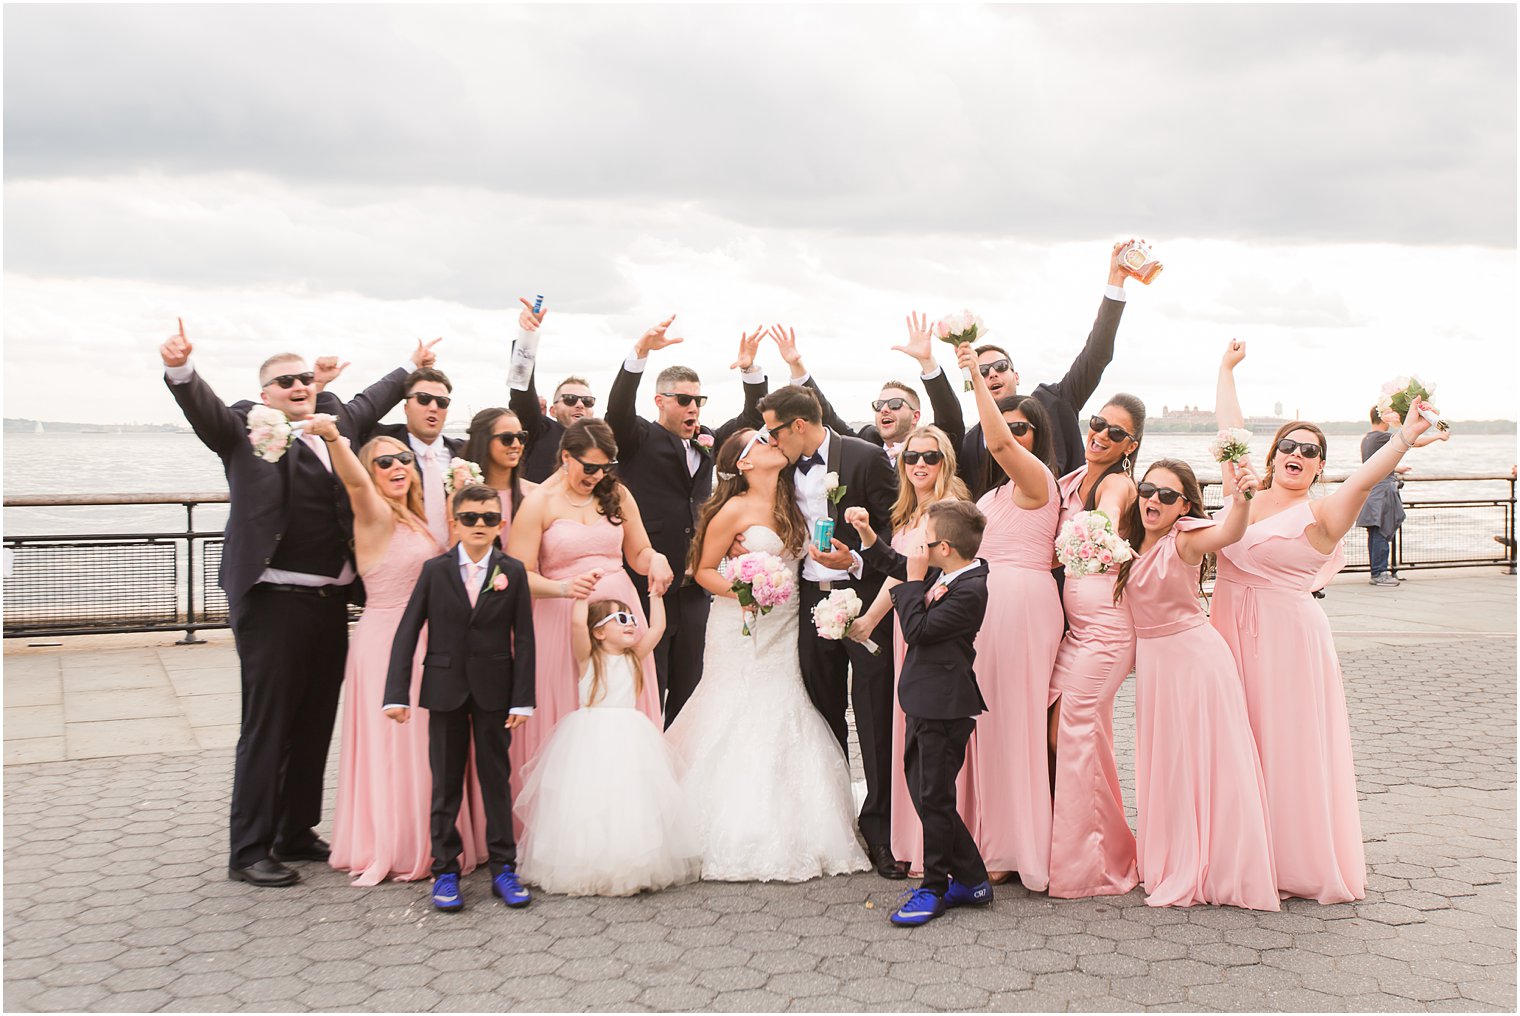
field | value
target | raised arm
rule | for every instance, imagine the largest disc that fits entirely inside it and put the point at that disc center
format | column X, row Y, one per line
column 524, row 404
column 1226, row 402
column 755, row 388
column 358, row 416
column 622, row 415
column 786, row 343
column 1087, row 369
column 217, row 425
column 580, row 634
column 1030, row 491
column 1336, row 512
column 1193, row 544
column 656, row 627
column 948, row 416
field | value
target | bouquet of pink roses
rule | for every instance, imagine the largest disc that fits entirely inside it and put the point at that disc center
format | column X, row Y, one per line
column 1403, row 392
column 1088, row 544
column 762, row 581
column 271, row 432
column 834, row 614
column 460, row 474
column 958, row 328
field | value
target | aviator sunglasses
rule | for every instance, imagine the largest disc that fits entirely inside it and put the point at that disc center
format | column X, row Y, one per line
column 427, row 399
column 586, row 400
column 620, row 616
column 386, row 461
column 288, row 380
column 685, row 400
column 1308, row 451
column 1165, row 495
column 1116, row 434
column 472, row 519
column 1001, row 366
column 930, row 458
column 892, row 404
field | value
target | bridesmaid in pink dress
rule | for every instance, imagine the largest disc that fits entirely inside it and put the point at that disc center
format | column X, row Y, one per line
column 1282, row 644
column 1092, row 851
column 573, row 534
column 496, row 443
column 380, row 826
column 920, row 483
column 1007, row 806
column 1204, row 835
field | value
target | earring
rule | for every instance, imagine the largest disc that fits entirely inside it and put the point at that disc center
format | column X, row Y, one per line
column 1125, row 465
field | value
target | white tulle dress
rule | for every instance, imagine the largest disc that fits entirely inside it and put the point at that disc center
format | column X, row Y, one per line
column 601, row 804
column 765, row 780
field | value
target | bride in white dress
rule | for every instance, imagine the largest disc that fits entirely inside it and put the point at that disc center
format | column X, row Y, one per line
column 766, row 781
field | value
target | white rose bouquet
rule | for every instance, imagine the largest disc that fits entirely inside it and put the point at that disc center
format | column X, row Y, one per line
column 1231, row 445
column 958, row 328
column 1089, row 545
column 1402, row 392
column 834, row 614
column 460, row 474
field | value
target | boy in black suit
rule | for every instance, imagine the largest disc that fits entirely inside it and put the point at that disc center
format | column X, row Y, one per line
column 940, row 607
column 477, row 675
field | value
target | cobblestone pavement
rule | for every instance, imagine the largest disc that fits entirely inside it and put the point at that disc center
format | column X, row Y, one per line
column 116, row 899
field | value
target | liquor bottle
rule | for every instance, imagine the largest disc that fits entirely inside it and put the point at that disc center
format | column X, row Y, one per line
column 1135, row 259
column 524, row 353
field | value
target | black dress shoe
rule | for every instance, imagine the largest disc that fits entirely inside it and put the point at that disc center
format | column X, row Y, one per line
column 887, row 866
column 316, row 850
column 266, row 873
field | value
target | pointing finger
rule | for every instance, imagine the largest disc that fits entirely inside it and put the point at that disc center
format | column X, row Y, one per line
column 181, row 327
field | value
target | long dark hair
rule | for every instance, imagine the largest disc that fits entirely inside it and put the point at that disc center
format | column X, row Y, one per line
column 1133, row 528
column 477, row 449
column 584, row 435
column 728, row 483
column 1124, row 464
column 992, row 474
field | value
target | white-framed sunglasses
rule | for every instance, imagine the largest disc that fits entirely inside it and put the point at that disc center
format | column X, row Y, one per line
column 620, row 616
column 761, row 436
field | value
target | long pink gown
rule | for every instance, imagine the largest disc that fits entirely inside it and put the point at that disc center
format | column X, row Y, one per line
column 385, row 787
column 506, row 518
column 1297, row 704
column 1092, row 851
column 1204, row 834
column 1007, row 805
column 566, row 549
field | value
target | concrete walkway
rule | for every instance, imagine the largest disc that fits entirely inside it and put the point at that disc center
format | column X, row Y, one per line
column 118, row 763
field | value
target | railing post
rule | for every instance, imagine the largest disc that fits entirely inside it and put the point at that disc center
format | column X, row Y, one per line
column 190, row 639
column 1509, row 534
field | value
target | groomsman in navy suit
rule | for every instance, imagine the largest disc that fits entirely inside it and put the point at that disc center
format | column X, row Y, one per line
column 286, row 568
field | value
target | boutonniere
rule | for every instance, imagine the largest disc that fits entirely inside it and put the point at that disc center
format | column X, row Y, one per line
column 704, row 444
column 498, row 580
column 832, row 488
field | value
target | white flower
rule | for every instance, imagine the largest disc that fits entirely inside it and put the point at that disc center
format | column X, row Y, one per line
column 831, row 481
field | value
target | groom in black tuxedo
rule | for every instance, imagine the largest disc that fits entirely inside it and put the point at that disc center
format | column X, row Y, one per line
column 834, row 473
column 286, row 568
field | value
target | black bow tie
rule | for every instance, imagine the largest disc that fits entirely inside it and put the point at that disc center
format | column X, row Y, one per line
column 808, row 462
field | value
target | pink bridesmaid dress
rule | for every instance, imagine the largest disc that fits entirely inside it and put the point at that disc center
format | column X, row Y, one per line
column 567, row 549
column 385, row 786
column 1007, row 805
column 1204, row 835
column 1296, row 702
column 1092, row 851
column 506, row 519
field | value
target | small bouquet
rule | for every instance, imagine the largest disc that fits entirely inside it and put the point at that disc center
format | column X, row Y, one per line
column 460, row 474
column 270, row 432
column 834, row 614
column 1402, row 392
column 762, row 581
column 1088, row 544
column 958, row 328
column 1231, row 445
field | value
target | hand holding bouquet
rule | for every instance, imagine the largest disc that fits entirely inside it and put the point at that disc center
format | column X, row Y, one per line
column 1403, row 392
column 1231, row 445
column 1088, row 545
column 271, row 432
column 834, row 614
column 958, row 328
column 460, row 474
column 761, row 581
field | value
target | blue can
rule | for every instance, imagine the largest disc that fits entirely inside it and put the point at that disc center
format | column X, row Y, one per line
column 823, row 535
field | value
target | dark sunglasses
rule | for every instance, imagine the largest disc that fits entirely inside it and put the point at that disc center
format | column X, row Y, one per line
column 1001, row 366
column 511, row 437
column 427, row 399
column 472, row 519
column 1018, row 428
column 775, row 432
column 1308, row 451
column 685, row 400
column 586, row 400
column 288, row 380
column 619, row 616
column 593, row 468
column 1097, row 424
column 930, row 458
column 387, row 461
column 892, row 404
column 1165, row 494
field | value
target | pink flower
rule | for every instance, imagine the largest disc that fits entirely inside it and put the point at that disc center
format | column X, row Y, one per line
column 705, row 440
column 499, row 583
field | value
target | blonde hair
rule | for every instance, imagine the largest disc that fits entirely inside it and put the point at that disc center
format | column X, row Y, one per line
column 907, row 508
column 411, row 509
column 595, row 612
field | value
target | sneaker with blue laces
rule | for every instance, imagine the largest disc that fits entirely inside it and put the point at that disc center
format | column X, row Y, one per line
column 446, row 893
column 961, row 895
column 510, row 890
column 923, row 906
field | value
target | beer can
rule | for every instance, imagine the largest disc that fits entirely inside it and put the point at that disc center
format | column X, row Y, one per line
column 823, row 535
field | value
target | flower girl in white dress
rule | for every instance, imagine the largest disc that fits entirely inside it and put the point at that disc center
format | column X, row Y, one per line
column 601, row 806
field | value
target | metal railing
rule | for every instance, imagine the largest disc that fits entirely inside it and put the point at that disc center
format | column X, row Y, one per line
column 105, row 583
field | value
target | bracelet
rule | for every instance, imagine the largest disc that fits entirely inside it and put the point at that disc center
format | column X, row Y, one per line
column 1404, row 440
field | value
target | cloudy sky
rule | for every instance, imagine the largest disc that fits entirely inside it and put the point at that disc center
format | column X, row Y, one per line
column 1334, row 185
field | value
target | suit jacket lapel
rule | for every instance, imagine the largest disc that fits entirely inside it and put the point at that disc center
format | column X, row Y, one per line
column 495, row 561
column 835, row 466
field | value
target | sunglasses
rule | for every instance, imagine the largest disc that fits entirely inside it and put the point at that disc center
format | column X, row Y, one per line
column 387, row 461
column 1116, row 434
column 620, row 616
column 427, row 399
column 288, row 380
column 593, row 468
column 511, row 437
column 758, row 437
column 472, row 519
column 1308, row 451
column 1018, row 428
column 929, row 458
column 585, row 400
column 1001, row 366
column 1166, row 495
column 685, row 400
column 775, row 432
column 892, row 404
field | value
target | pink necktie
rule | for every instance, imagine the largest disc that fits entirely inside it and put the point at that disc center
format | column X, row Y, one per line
column 315, row 443
column 472, row 580
column 432, row 497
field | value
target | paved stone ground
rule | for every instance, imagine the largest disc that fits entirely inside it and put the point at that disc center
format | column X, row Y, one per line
column 116, row 898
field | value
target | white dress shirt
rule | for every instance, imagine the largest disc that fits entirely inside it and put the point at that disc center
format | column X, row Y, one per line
column 945, row 580
column 813, row 501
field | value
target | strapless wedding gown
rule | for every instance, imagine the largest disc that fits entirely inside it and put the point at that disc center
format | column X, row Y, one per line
column 766, row 781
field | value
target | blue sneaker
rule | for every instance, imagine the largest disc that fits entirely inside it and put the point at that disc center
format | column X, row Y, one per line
column 961, row 895
column 923, row 906
column 510, row 890
column 446, row 893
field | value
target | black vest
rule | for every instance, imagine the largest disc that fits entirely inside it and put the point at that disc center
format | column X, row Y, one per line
column 315, row 540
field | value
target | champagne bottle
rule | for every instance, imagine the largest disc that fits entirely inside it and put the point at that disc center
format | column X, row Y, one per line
column 524, row 353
